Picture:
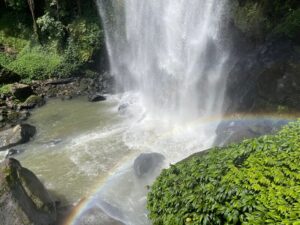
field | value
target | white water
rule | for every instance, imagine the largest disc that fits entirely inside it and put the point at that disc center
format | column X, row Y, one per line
column 170, row 52
column 169, row 61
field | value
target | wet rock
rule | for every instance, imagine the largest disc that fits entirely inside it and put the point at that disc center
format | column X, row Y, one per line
column 96, row 98
column 237, row 131
column 19, row 134
column 21, row 91
column 60, row 81
column 33, row 101
column 12, row 152
column 23, row 198
column 7, row 76
column 123, row 108
column 146, row 163
column 265, row 78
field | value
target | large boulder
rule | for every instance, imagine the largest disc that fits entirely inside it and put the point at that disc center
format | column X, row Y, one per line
column 146, row 163
column 23, row 198
column 235, row 131
column 265, row 79
column 19, row 134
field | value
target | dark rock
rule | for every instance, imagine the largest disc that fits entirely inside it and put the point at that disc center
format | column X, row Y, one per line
column 123, row 108
column 23, row 198
column 265, row 78
column 21, row 91
column 146, row 163
column 66, row 97
column 7, row 76
column 96, row 98
column 12, row 152
column 19, row 134
column 60, row 81
column 237, row 131
column 33, row 101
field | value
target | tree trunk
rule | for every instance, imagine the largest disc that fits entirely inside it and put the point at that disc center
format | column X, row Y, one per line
column 31, row 7
column 57, row 9
column 78, row 7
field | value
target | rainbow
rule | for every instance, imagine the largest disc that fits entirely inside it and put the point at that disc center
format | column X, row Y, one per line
column 84, row 204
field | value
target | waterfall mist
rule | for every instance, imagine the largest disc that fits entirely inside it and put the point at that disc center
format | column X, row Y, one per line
column 169, row 60
column 170, row 52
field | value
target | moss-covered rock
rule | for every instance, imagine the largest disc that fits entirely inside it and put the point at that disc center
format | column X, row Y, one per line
column 23, row 198
column 254, row 182
column 33, row 101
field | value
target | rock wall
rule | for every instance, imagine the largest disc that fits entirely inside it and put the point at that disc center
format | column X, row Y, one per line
column 265, row 64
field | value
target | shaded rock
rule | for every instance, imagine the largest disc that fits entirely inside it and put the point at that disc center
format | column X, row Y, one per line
column 146, row 163
column 17, row 135
column 96, row 98
column 60, row 81
column 264, row 77
column 237, row 131
column 23, row 198
column 21, row 91
column 12, row 152
column 7, row 76
column 33, row 101
column 122, row 109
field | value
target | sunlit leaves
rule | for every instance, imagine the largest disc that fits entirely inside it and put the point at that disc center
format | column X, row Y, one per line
column 255, row 182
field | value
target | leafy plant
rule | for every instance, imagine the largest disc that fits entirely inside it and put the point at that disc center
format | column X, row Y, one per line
column 254, row 182
column 35, row 63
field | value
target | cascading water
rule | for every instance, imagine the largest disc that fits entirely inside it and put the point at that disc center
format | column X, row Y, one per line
column 169, row 52
column 170, row 64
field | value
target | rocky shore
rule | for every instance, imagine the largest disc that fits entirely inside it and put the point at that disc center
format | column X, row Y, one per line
column 18, row 99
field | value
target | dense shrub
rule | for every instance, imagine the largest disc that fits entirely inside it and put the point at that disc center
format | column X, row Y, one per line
column 259, row 19
column 35, row 63
column 254, row 182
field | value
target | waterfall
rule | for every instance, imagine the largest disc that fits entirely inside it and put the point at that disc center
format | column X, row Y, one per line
column 170, row 56
column 170, row 52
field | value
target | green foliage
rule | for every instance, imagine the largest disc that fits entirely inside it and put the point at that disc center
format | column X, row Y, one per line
column 16, row 4
column 263, row 17
column 290, row 25
column 85, row 38
column 35, row 63
column 250, row 19
column 50, row 28
column 5, row 89
column 5, row 59
column 67, row 39
column 14, row 43
column 254, row 182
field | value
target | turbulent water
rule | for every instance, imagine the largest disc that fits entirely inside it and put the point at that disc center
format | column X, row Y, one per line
column 170, row 52
column 169, row 60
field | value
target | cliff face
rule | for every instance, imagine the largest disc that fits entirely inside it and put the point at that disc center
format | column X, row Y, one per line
column 23, row 198
column 266, row 56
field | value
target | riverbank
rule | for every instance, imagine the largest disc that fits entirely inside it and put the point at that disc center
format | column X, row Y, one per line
column 17, row 99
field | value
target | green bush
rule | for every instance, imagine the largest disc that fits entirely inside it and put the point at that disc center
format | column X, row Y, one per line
column 35, row 63
column 86, row 37
column 254, row 182
column 5, row 59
